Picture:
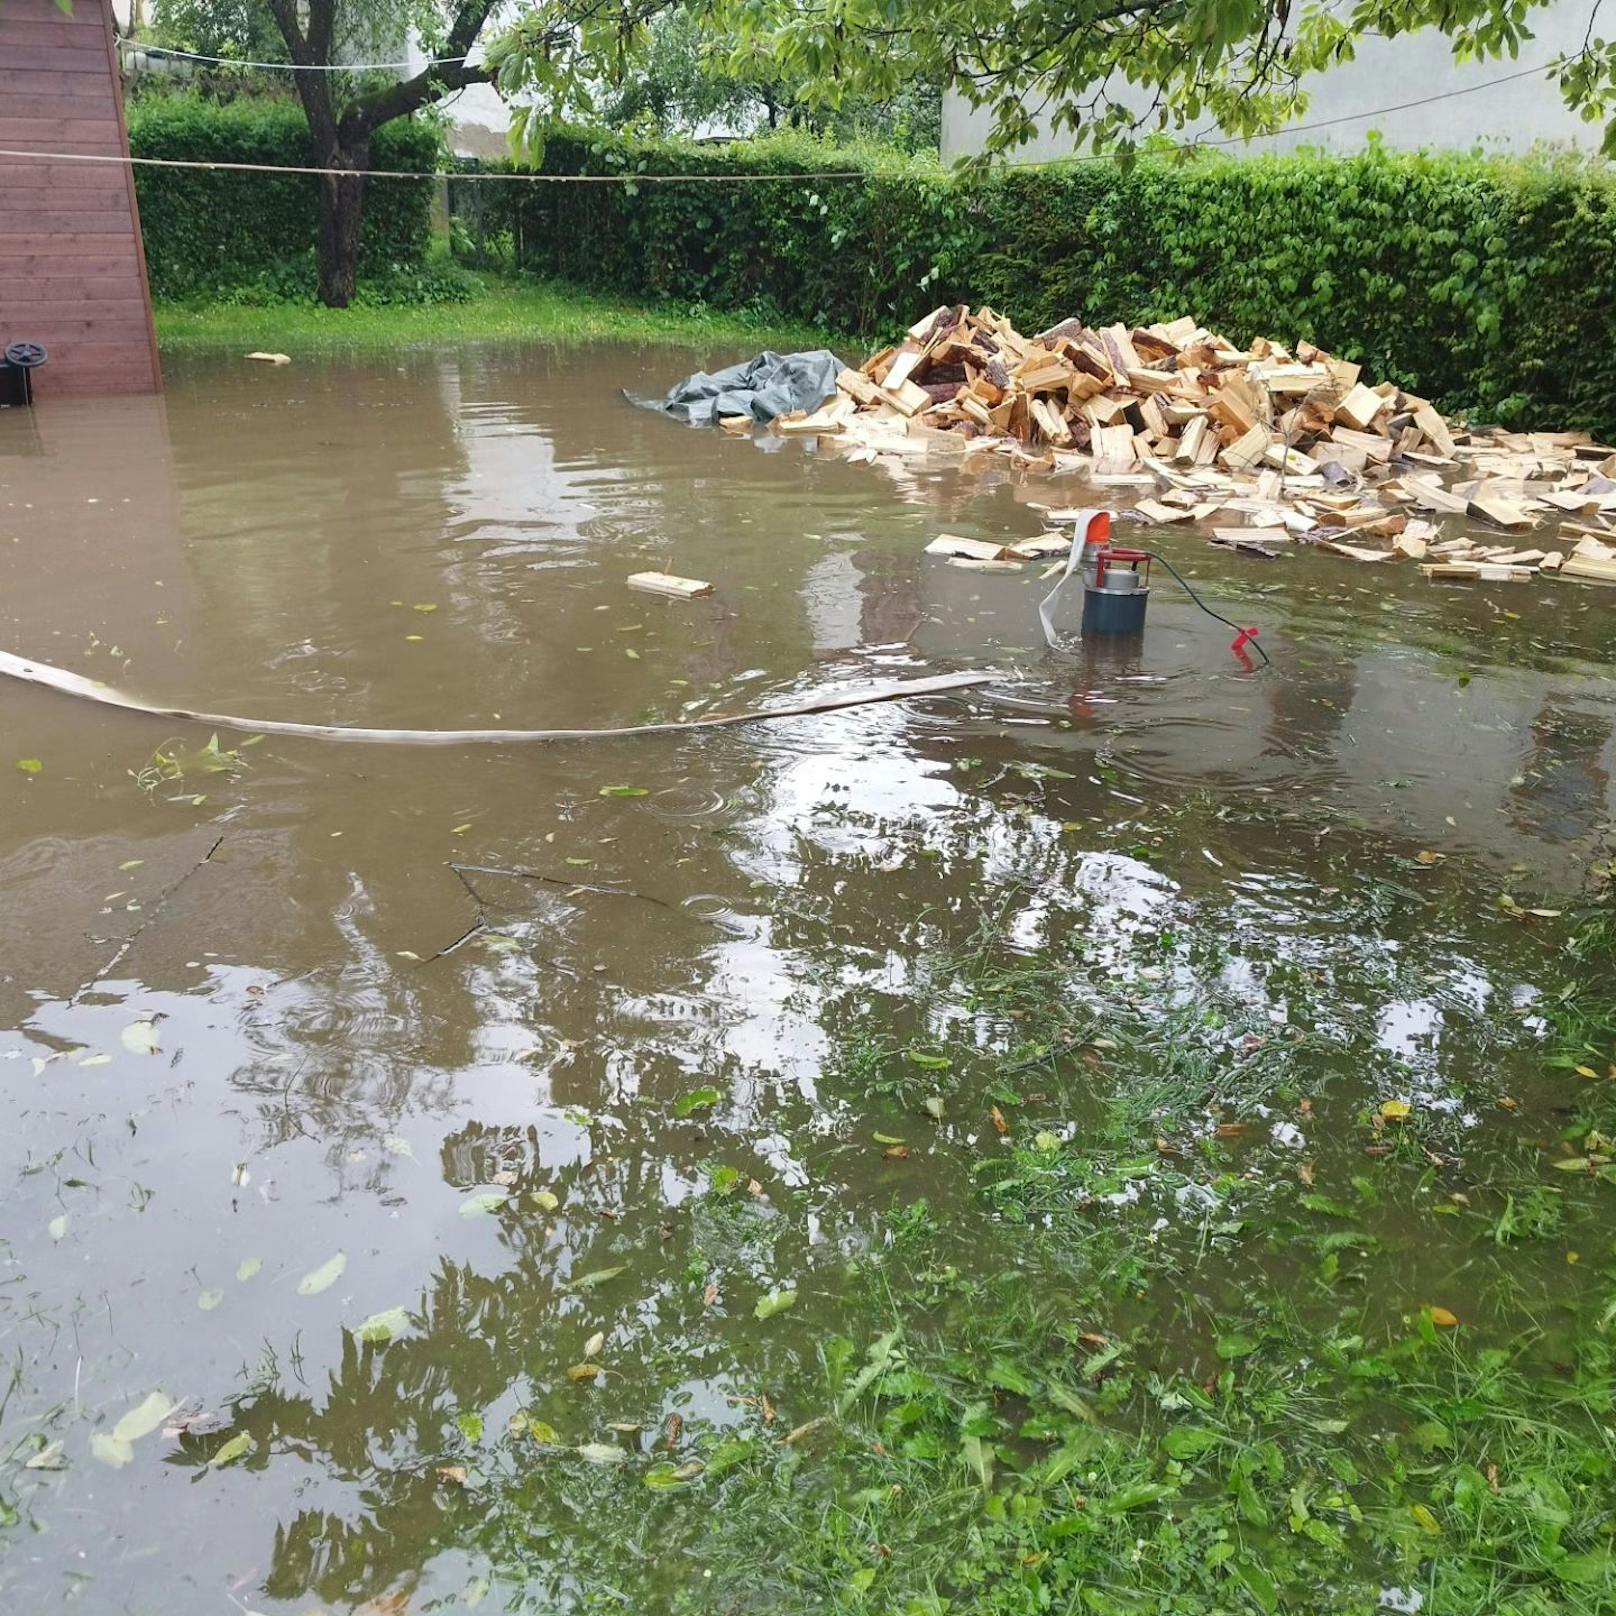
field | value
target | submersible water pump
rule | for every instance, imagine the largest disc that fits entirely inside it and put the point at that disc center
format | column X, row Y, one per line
column 1116, row 590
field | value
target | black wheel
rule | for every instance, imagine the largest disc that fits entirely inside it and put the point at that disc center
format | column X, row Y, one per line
column 26, row 355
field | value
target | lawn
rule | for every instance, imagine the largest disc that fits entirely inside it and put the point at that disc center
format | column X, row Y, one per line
column 502, row 310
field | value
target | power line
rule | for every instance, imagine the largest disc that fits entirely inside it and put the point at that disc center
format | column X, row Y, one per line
column 290, row 67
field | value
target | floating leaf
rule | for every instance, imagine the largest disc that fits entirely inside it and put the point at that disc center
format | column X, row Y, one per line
column 96, row 1060
column 57, row 1227
column 589, row 1282
column 323, row 1277
column 248, row 1267
column 601, row 1453
column 49, row 1457
column 1188, row 1442
column 1572, row 1164
column 584, row 1371
column 1425, row 1520
column 385, row 1326
column 544, row 1200
column 595, row 1344
column 131, row 864
column 668, row 1474
column 484, row 1202
column 1144, row 1492
column 934, row 1107
column 1046, row 1141
column 543, row 1431
column 1235, row 1345
column 209, row 1300
column 1000, row 1126
column 1395, row 1110
column 696, row 1100
column 143, row 1418
column 1442, row 1318
column 109, row 1450
column 928, row 1061
column 238, row 1447
column 140, row 1038
column 776, row 1301
column 30, row 765
column 979, row 1456
column 455, row 1475
column 623, row 791
column 470, row 1424
column 396, row 1144
column 886, row 1139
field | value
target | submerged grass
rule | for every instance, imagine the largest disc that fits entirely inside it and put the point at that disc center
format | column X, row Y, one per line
column 503, row 310
column 1148, row 1365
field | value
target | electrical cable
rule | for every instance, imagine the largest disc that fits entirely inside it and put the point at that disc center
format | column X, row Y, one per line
column 1247, row 636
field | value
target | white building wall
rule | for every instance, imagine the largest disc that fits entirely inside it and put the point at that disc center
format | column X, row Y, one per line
column 1372, row 92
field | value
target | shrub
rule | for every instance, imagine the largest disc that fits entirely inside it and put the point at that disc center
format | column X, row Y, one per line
column 231, row 235
column 1488, row 284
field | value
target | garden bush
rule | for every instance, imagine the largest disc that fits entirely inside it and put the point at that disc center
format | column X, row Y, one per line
column 233, row 236
column 1488, row 284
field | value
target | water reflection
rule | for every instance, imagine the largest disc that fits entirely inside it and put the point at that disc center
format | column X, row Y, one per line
column 352, row 1043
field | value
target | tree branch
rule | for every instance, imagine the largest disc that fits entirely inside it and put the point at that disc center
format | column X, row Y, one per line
column 431, row 84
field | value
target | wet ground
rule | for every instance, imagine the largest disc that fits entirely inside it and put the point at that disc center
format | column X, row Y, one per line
column 349, row 1154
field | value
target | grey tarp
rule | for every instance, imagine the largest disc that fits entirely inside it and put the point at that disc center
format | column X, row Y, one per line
column 762, row 388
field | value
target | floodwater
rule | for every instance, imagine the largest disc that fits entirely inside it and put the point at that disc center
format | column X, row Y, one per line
column 252, row 1018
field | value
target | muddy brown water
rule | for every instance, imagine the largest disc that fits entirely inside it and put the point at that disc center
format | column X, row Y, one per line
column 251, row 1019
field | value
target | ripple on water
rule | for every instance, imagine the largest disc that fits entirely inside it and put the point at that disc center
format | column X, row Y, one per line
column 689, row 802
column 715, row 911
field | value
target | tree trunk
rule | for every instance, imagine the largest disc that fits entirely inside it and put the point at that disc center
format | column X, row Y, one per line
column 342, row 209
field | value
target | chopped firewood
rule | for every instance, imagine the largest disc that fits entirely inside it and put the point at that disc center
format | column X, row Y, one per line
column 1251, row 535
column 737, row 425
column 1482, row 571
column 1042, row 544
column 1600, row 536
column 1435, row 430
column 1586, row 567
column 1552, row 561
column 950, row 544
column 1360, row 407
column 1494, row 508
column 1303, row 443
column 1354, row 552
column 856, row 383
column 1154, row 511
column 1432, row 496
column 1247, row 450
column 665, row 583
column 1261, row 541
column 973, row 564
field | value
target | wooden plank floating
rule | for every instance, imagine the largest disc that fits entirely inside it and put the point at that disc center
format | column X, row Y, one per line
column 665, row 583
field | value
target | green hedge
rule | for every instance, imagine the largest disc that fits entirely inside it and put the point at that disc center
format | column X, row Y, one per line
column 216, row 234
column 1487, row 284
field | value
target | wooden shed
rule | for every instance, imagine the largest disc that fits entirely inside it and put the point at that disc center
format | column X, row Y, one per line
column 72, row 269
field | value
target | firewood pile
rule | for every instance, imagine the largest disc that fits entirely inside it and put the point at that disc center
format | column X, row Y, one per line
column 1259, row 448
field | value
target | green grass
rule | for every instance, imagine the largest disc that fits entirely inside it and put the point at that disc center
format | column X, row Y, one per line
column 502, row 310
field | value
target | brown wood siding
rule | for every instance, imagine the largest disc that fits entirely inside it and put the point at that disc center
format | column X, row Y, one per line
column 72, row 269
